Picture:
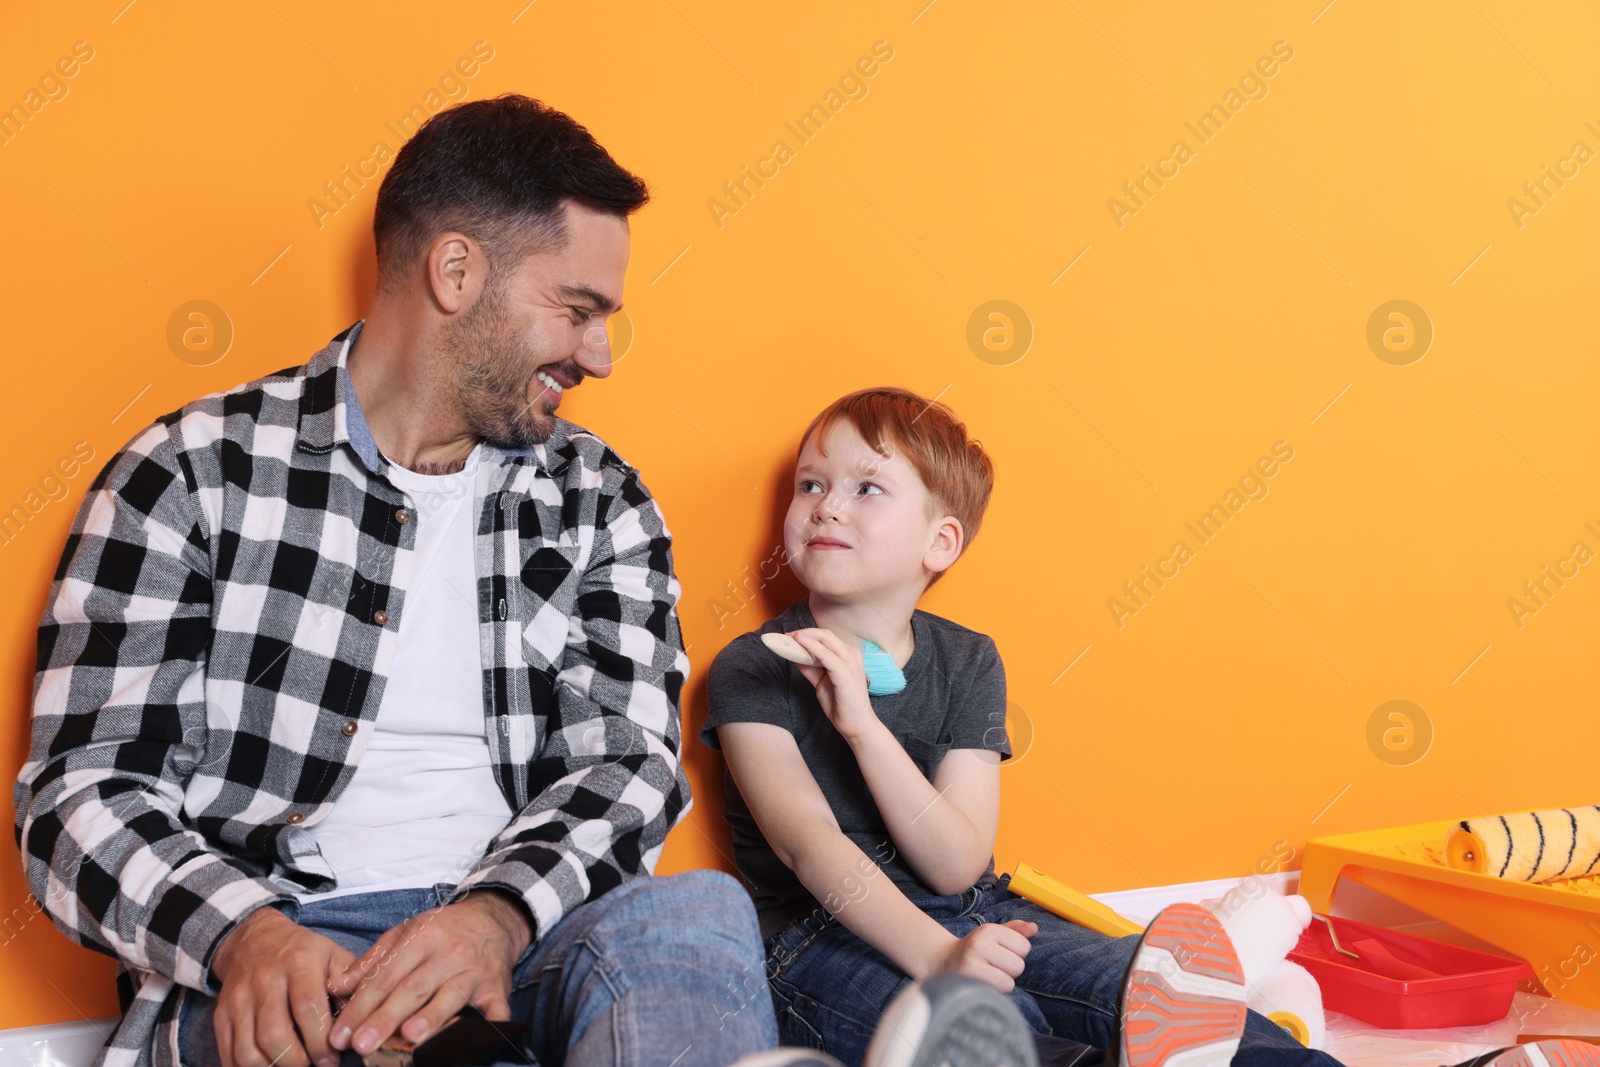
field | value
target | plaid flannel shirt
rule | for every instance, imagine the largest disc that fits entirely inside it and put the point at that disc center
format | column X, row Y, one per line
column 213, row 655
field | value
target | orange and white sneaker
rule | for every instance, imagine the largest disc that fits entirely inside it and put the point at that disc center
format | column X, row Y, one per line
column 1551, row 1053
column 1183, row 997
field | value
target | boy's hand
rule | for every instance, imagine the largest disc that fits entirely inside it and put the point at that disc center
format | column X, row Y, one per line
column 992, row 953
column 841, row 681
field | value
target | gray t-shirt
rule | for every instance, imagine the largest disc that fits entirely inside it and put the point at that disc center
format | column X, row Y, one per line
column 955, row 697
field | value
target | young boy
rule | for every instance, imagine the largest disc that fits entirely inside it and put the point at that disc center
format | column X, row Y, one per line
column 864, row 813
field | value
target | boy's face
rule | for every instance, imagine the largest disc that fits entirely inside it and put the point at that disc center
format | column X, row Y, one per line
column 859, row 523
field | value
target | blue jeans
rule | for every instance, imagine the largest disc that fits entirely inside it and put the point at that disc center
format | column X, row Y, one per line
column 658, row 972
column 829, row 987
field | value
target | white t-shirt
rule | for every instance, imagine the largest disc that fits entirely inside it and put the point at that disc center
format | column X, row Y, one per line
column 423, row 804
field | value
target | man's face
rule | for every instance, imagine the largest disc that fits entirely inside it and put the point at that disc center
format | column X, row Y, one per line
column 538, row 329
column 858, row 522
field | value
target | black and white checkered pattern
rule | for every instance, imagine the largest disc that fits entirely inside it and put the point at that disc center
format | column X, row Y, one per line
column 224, row 608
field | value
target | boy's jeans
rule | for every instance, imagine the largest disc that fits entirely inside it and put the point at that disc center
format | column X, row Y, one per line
column 657, row 971
column 829, row 987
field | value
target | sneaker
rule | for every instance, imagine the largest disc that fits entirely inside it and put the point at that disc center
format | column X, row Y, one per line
column 949, row 1020
column 1183, row 997
column 787, row 1056
column 1553, row 1053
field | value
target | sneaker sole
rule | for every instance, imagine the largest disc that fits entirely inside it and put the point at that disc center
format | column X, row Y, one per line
column 1183, row 1004
column 1551, row 1054
column 949, row 1021
column 787, row 1056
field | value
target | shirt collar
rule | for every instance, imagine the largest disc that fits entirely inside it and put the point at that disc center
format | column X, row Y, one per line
column 330, row 410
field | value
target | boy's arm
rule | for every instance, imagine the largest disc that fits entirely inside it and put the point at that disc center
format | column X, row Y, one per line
column 944, row 828
column 798, row 824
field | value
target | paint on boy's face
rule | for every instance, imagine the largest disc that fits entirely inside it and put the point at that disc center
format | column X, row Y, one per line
column 858, row 520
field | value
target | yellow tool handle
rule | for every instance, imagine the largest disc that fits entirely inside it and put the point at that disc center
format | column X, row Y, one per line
column 1069, row 903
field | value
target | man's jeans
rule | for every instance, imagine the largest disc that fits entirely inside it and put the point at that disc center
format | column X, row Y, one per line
column 830, row 987
column 659, row 972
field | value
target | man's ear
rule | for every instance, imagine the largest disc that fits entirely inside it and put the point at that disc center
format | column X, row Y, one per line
column 945, row 544
column 457, row 270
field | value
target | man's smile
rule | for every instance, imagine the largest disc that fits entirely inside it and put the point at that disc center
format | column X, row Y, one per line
column 555, row 382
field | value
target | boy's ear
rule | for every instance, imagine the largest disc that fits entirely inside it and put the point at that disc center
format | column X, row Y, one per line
column 945, row 545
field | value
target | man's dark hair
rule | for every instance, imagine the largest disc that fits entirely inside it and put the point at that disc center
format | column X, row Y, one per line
column 498, row 171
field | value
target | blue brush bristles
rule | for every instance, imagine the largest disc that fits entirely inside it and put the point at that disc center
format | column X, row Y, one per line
column 883, row 675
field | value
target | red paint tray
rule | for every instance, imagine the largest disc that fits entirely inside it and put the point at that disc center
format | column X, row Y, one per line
column 1405, row 982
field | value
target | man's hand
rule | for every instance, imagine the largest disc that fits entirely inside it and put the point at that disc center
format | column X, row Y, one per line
column 992, row 953
column 274, row 974
column 423, row 971
column 841, row 681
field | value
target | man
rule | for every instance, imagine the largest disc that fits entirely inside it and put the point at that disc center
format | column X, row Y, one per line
column 379, row 656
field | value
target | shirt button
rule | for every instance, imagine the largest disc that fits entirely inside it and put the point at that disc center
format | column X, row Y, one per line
column 402, row 516
column 380, row 617
column 349, row 729
column 296, row 817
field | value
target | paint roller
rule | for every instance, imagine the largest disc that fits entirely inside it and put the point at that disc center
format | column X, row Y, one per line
column 1533, row 846
column 1264, row 925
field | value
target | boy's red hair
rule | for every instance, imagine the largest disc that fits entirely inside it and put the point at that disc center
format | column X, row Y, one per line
column 954, row 468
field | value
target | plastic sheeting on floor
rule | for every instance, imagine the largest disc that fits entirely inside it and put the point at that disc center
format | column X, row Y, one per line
column 69, row 1044
column 1356, row 1044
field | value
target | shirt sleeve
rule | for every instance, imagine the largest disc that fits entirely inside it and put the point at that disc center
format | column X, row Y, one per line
column 608, row 784
column 119, row 694
column 979, row 715
column 747, row 683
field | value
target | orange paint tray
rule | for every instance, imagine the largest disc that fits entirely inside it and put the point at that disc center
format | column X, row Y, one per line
column 1554, row 926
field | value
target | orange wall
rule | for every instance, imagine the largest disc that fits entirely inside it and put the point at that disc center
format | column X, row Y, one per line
column 1208, row 734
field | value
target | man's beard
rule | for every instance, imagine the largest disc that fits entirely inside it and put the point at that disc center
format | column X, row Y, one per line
column 492, row 370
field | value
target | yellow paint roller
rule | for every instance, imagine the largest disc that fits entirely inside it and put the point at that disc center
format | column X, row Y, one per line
column 1068, row 903
column 1533, row 846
